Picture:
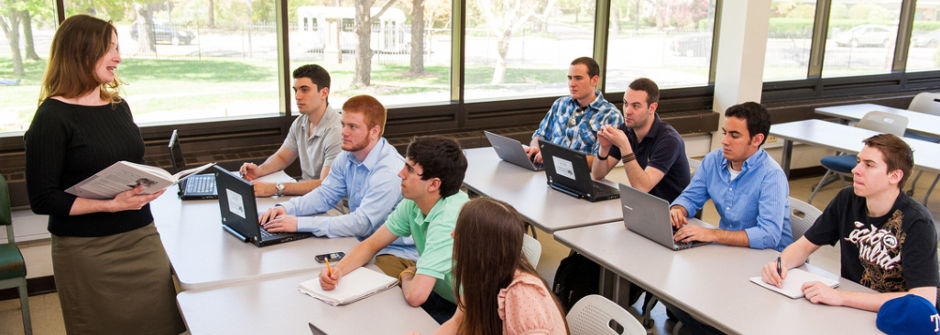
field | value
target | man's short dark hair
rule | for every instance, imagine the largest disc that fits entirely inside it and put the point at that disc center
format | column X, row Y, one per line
column 758, row 119
column 897, row 154
column 317, row 74
column 592, row 67
column 648, row 86
column 439, row 157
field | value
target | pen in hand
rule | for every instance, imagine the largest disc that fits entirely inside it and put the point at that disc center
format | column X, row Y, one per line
column 779, row 268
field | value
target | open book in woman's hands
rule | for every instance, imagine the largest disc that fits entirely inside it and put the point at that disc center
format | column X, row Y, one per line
column 124, row 175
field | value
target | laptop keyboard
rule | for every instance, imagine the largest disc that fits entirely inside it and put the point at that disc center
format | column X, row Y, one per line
column 200, row 184
column 680, row 245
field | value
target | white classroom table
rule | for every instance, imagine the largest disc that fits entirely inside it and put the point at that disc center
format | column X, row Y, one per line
column 528, row 192
column 203, row 254
column 845, row 138
column 712, row 283
column 275, row 306
column 924, row 123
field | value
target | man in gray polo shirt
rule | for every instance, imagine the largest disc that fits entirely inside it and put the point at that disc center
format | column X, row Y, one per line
column 315, row 137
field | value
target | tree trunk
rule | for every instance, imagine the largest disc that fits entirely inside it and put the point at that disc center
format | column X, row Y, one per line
column 211, row 13
column 146, row 43
column 10, row 22
column 417, row 38
column 363, row 73
column 28, row 35
column 502, row 49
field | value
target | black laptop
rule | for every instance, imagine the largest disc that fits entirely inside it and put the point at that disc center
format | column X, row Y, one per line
column 240, row 212
column 567, row 171
column 200, row 186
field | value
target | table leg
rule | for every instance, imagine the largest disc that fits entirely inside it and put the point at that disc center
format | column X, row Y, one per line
column 785, row 157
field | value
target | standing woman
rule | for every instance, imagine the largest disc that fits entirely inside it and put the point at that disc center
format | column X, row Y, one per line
column 111, row 271
column 500, row 292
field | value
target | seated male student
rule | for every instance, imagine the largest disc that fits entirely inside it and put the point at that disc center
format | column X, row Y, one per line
column 653, row 152
column 748, row 188
column 364, row 173
column 888, row 241
column 573, row 121
column 430, row 182
column 314, row 137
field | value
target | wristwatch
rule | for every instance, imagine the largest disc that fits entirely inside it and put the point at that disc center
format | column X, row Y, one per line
column 280, row 189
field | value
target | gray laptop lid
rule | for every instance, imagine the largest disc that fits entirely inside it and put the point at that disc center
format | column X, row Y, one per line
column 510, row 150
column 648, row 215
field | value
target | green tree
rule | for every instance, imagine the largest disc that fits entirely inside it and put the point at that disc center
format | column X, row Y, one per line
column 364, row 19
column 10, row 19
column 504, row 18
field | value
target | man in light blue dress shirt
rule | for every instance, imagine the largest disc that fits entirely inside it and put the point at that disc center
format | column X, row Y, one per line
column 748, row 187
column 365, row 173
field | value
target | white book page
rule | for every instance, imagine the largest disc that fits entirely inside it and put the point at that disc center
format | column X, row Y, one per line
column 356, row 285
column 120, row 177
column 793, row 284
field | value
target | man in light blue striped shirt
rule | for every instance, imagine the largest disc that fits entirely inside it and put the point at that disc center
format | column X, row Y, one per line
column 748, row 187
column 573, row 121
column 366, row 173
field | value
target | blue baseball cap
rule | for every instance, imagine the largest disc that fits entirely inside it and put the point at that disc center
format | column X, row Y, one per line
column 910, row 314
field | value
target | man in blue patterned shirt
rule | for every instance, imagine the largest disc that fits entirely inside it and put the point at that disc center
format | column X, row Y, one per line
column 573, row 121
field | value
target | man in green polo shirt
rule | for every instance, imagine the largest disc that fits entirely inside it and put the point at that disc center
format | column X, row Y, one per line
column 430, row 184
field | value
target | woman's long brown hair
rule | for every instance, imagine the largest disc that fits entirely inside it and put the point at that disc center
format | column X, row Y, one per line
column 487, row 253
column 78, row 44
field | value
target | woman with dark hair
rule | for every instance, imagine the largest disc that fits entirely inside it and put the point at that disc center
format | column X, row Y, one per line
column 111, row 271
column 500, row 292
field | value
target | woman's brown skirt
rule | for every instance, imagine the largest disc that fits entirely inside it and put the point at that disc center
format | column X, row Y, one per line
column 117, row 284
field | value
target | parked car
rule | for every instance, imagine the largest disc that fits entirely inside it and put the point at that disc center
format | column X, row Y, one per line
column 866, row 35
column 167, row 34
column 926, row 39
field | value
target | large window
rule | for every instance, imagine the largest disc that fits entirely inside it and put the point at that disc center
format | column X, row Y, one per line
column 924, row 52
column 667, row 41
column 861, row 37
column 523, row 48
column 409, row 43
column 789, row 39
column 191, row 59
column 22, row 62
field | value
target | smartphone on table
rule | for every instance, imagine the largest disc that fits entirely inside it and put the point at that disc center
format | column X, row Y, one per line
column 332, row 257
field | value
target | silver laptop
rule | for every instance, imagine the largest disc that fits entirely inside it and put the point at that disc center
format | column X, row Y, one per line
column 648, row 215
column 511, row 151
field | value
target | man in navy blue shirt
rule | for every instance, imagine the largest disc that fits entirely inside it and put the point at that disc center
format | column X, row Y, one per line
column 652, row 151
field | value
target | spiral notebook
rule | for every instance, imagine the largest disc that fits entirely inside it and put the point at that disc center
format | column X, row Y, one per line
column 354, row 286
column 793, row 284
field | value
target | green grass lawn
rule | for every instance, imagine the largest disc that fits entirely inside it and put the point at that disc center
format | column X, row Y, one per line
column 174, row 89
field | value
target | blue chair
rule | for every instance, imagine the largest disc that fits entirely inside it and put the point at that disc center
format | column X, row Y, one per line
column 12, row 265
column 841, row 165
column 924, row 102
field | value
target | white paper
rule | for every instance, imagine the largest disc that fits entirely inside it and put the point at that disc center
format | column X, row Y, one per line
column 235, row 203
column 793, row 284
column 354, row 286
column 563, row 167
